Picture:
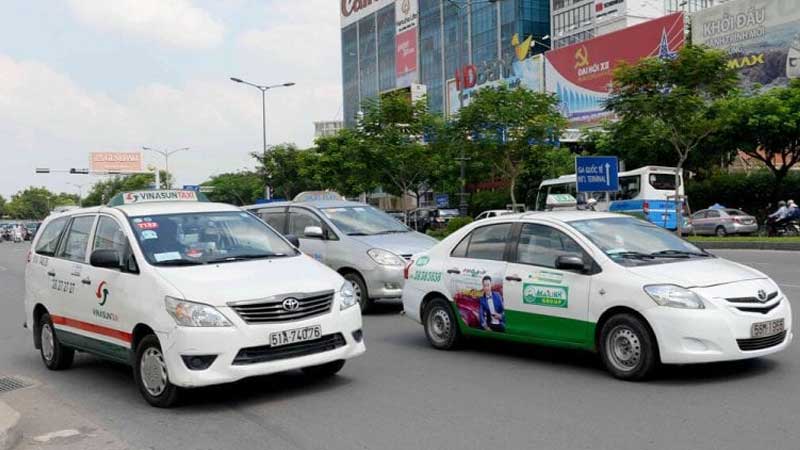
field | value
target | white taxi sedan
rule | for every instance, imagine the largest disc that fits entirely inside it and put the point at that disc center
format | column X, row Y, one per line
column 609, row 283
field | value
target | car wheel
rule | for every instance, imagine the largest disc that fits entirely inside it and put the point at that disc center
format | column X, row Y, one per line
column 55, row 355
column 150, row 373
column 360, row 291
column 441, row 325
column 720, row 231
column 324, row 370
column 627, row 348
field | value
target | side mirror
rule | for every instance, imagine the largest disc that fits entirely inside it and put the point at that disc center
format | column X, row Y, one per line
column 571, row 263
column 313, row 232
column 106, row 258
column 293, row 240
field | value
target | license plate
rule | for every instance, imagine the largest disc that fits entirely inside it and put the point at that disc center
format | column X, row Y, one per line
column 295, row 335
column 765, row 329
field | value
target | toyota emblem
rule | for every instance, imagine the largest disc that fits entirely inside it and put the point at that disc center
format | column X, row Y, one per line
column 291, row 304
column 762, row 295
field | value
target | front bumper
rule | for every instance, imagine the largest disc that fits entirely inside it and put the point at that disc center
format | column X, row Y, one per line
column 226, row 343
column 710, row 335
column 384, row 281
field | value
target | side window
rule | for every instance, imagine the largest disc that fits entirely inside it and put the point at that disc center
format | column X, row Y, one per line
column 489, row 242
column 300, row 219
column 461, row 249
column 699, row 215
column 47, row 243
column 629, row 188
column 74, row 245
column 276, row 218
column 713, row 214
column 109, row 236
column 541, row 245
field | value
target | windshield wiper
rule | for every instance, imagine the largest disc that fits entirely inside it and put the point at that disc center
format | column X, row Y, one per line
column 245, row 257
column 358, row 233
column 178, row 262
column 392, row 231
column 632, row 255
column 679, row 254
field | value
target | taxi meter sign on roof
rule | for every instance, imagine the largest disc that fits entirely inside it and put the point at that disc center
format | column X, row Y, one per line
column 132, row 198
column 316, row 196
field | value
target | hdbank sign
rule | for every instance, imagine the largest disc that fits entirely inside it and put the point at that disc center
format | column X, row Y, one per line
column 353, row 10
column 762, row 38
column 581, row 74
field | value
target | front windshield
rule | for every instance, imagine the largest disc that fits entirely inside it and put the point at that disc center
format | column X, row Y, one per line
column 363, row 221
column 206, row 238
column 630, row 241
column 448, row 212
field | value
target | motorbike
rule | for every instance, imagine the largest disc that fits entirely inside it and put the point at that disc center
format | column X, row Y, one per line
column 782, row 228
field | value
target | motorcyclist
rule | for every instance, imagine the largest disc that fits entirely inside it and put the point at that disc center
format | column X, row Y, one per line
column 792, row 211
column 776, row 219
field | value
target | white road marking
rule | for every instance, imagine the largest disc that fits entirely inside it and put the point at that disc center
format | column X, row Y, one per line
column 56, row 434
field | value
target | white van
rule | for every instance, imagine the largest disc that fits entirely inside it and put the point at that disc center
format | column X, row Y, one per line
column 190, row 293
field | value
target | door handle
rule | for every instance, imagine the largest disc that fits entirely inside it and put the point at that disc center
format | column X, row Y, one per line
column 51, row 273
column 513, row 278
column 86, row 280
column 454, row 271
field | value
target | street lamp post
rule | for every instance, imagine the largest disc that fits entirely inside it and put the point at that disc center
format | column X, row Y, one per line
column 166, row 154
column 462, row 204
column 80, row 192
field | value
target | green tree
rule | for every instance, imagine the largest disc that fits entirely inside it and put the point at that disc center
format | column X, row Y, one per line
column 341, row 163
column 393, row 131
column 2, row 206
column 677, row 96
column 510, row 129
column 36, row 203
column 765, row 126
column 104, row 190
column 279, row 168
column 238, row 188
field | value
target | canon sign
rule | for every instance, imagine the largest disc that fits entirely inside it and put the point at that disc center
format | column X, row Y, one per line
column 353, row 10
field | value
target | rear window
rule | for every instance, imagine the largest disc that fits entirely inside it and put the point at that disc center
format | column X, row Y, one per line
column 47, row 243
column 662, row 181
column 735, row 212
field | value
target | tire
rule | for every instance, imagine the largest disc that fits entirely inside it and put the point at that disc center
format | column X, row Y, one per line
column 55, row 355
column 720, row 231
column 360, row 291
column 628, row 348
column 441, row 325
column 324, row 370
column 149, row 360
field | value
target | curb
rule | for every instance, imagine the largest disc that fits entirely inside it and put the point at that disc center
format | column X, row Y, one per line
column 10, row 434
column 789, row 246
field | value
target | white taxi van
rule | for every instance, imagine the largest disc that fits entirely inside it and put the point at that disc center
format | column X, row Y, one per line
column 623, row 287
column 188, row 292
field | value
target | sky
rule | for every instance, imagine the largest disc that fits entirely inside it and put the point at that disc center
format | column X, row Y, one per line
column 78, row 76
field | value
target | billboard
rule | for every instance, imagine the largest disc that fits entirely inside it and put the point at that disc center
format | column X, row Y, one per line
column 115, row 161
column 351, row 11
column 406, row 44
column 605, row 10
column 581, row 73
column 518, row 69
column 762, row 37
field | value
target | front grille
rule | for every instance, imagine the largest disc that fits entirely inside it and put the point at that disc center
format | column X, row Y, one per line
column 752, row 299
column 265, row 353
column 761, row 343
column 272, row 310
column 758, row 309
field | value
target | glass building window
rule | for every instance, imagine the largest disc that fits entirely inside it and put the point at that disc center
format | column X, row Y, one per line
column 386, row 49
column 350, row 74
column 431, row 70
column 368, row 57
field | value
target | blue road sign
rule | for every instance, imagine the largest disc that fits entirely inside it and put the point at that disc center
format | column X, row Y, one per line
column 191, row 187
column 597, row 173
column 442, row 200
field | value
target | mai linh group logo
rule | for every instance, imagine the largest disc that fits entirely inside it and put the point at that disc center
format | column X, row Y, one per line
column 102, row 293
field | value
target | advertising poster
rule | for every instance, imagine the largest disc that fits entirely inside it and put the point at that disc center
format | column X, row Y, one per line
column 520, row 69
column 351, row 11
column 762, row 37
column 580, row 74
column 406, row 41
column 606, row 10
column 115, row 161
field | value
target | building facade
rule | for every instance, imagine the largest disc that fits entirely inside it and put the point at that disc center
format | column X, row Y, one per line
column 327, row 128
column 390, row 44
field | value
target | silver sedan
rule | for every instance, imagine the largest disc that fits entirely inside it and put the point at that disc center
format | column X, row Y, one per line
column 722, row 222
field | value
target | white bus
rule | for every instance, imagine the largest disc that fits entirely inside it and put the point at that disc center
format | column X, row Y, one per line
column 647, row 192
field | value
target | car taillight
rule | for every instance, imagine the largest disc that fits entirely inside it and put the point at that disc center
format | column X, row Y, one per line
column 407, row 269
column 646, row 208
column 737, row 220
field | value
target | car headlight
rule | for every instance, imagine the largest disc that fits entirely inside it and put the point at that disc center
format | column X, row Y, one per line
column 674, row 296
column 347, row 296
column 190, row 314
column 385, row 258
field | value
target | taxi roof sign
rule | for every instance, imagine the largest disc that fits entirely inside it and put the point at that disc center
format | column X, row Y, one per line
column 137, row 197
column 315, row 196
